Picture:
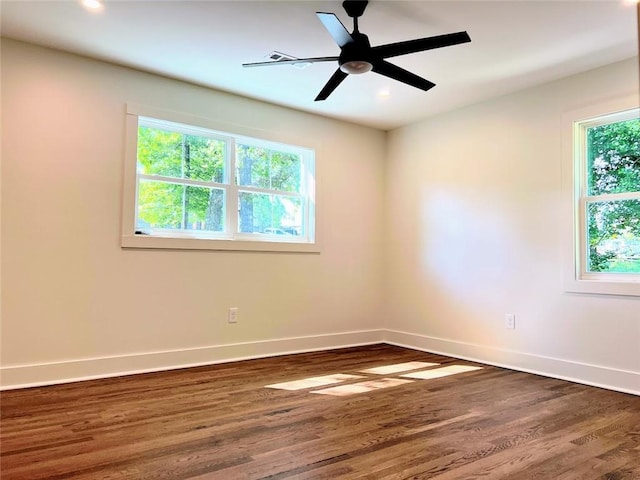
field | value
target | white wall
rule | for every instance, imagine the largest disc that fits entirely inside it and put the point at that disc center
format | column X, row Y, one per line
column 475, row 230
column 75, row 304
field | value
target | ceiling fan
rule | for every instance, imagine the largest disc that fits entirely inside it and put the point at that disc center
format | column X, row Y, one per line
column 358, row 56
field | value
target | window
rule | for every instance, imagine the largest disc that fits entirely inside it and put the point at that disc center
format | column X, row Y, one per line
column 606, row 206
column 610, row 193
column 189, row 186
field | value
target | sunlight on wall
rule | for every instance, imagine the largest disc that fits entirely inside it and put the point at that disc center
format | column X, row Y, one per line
column 465, row 245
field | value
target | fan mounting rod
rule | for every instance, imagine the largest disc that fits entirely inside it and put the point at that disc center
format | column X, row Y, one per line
column 355, row 9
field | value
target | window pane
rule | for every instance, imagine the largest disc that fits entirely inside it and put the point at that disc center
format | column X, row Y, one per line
column 204, row 159
column 285, row 172
column 268, row 169
column 205, row 208
column 252, row 164
column 170, row 206
column 270, row 214
column 614, row 236
column 173, row 154
column 159, row 152
column 613, row 156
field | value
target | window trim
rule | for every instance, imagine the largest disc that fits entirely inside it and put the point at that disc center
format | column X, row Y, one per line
column 185, row 240
column 575, row 277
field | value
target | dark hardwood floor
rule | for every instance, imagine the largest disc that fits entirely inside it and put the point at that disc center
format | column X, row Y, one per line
column 221, row 422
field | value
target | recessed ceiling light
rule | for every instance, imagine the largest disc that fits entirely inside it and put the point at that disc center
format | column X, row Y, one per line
column 92, row 4
column 384, row 93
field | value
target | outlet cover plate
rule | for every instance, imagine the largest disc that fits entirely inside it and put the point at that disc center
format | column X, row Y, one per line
column 510, row 320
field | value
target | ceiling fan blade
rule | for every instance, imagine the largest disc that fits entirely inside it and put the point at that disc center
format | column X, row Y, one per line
column 291, row 61
column 420, row 44
column 392, row 71
column 335, row 80
column 335, row 28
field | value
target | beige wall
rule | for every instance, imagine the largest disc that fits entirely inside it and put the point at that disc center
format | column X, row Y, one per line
column 71, row 293
column 475, row 230
column 430, row 234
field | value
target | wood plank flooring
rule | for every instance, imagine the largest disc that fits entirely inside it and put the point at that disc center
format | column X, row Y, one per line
column 221, row 422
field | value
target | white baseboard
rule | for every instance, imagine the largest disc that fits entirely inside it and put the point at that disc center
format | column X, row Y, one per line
column 33, row 375
column 593, row 375
column 23, row 376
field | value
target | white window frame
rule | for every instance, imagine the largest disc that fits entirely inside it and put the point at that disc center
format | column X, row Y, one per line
column 576, row 123
column 230, row 239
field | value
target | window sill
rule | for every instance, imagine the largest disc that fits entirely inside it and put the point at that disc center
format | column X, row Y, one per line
column 626, row 287
column 172, row 243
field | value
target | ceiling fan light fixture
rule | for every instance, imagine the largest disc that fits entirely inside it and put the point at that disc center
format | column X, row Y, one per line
column 356, row 67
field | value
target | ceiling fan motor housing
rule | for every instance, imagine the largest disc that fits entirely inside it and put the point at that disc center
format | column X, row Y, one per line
column 359, row 51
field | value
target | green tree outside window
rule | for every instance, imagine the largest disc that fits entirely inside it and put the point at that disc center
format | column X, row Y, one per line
column 613, row 226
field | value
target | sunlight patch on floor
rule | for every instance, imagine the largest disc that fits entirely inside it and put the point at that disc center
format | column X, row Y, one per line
column 362, row 387
column 395, row 375
column 398, row 367
column 440, row 372
column 314, row 382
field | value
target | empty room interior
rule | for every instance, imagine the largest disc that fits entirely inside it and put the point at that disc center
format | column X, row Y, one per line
column 320, row 240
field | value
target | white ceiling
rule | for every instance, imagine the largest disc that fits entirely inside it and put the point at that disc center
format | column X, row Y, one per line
column 515, row 44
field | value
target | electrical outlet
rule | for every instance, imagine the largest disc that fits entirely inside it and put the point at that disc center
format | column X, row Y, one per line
column 233, row 315
column 510, row 320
